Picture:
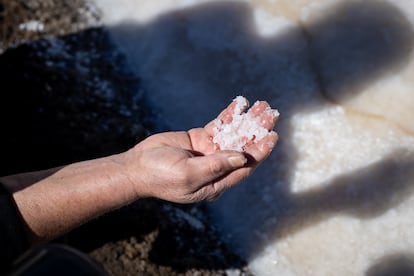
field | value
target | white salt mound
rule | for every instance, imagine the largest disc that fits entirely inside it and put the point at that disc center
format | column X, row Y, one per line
column 242, row 130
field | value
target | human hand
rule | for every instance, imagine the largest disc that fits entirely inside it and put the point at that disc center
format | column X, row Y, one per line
column 186, row 167
column 182, row 167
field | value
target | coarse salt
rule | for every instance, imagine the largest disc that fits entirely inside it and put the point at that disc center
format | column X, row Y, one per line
column 242, row 130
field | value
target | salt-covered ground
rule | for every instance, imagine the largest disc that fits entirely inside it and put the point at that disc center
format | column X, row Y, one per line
column 337, row 195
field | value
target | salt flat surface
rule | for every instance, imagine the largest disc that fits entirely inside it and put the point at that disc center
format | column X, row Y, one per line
column 336, row 197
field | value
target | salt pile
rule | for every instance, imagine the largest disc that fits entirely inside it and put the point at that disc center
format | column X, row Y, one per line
column 244, row 128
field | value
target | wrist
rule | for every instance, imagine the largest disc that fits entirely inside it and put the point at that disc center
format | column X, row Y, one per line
column 129, row 170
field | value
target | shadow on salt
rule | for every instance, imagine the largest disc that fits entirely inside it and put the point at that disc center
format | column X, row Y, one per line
column 400, row 263
column 194, row 61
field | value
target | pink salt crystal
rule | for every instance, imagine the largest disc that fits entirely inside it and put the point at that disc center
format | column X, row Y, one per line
column 243, row 129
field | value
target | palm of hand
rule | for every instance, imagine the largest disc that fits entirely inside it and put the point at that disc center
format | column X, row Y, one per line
column 171, row 167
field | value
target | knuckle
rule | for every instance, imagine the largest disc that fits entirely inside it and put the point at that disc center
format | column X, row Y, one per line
column 216, row 168
column 213, row 197
column 215, row 192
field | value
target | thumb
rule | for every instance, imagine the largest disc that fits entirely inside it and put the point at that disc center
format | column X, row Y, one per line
column 205, row 169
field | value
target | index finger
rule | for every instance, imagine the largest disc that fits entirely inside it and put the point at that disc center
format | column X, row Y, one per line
column 260, row 150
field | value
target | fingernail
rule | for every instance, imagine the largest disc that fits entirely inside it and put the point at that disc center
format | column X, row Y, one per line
column 237, row 161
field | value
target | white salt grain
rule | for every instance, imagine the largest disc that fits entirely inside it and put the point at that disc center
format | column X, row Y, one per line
column 32, row 26
column 243, row 129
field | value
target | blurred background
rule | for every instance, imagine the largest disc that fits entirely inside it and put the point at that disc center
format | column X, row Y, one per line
column 89, row 78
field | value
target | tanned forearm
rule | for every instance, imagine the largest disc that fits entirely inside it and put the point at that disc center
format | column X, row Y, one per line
column 66, row 197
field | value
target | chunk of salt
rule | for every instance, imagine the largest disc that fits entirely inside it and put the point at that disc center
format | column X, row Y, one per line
column 242, row 130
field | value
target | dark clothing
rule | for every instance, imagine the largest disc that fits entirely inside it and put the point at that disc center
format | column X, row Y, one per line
column 13, row 241
column 17, row 259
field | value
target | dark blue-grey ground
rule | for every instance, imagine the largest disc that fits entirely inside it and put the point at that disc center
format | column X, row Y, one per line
column 68, row 95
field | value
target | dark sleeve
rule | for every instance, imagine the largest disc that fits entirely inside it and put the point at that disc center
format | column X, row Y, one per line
column 13, row 240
